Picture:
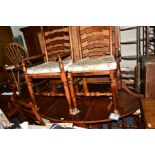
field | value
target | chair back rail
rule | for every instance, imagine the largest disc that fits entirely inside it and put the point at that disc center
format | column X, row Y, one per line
column 55, row 41
column 95, row 40
column 14, row 53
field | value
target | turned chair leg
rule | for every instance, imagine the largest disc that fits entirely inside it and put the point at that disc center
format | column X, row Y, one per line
column 114, row 89
column 29, row 84
column 66, row 89
column 85, row 86
column 76, row 85
column 72, row 93
column 138, row 121
column 53, row 86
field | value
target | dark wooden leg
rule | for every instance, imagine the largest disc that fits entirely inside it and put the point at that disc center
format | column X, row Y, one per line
column 141, row 125
column 76, row 85
column 68, row 94
column 114, row 89
column 29, row 85
column 124, row 123
column 16, row 79
column 53, row 86
column 6, row 75
column 117, row 56
column 85, row 86
column 65, row 85
column 72, row 93
column 138, row 121
column 135, row 79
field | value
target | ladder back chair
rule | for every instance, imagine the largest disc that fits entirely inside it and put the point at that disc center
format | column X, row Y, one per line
column 96, row 59
column 55, row 43
column 13, row 54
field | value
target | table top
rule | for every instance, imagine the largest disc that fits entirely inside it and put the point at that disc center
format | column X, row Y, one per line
column 92, row 109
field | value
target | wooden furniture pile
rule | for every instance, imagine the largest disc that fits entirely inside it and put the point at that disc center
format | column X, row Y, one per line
column 74, row 57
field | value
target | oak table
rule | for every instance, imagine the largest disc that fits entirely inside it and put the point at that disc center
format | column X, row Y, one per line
column 92, row 109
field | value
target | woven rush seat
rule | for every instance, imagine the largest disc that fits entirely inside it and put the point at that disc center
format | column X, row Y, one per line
column 93, row 64
column 48, row 67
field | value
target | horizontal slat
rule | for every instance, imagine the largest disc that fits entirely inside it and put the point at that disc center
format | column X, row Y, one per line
column 60, row 53
column 132, row 41
column 129, row 42
column 90, row 29
column 96, row 51
column 128, row 72
column 96, row 45
column 128, row 81
column 52, row 28
column 128, row 69
column 127, row 76
column 55, row 42
column 129, row 57
column 95, row 37
column 56, row 34
column 58, row 48
column 128, row 28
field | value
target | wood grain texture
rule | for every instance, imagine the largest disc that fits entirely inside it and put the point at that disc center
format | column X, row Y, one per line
column 148, row 106
column 56, row 39
column 96, row 39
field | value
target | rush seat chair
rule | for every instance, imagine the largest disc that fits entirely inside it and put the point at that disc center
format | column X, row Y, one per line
column 56, row 46
column 97, row 59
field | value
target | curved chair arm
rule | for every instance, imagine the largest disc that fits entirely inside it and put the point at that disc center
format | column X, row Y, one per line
column 131, row 92
column 34, row 57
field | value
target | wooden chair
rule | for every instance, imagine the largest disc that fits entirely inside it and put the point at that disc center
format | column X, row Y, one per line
column 55, row 43
column 97, row 58
column 13, row 55
column 26, row 112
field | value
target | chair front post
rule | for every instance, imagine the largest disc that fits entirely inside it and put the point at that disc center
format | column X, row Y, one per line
column 114, row 88
column 29, row 84
column 72, row 92
column 117, row 56
column 65, row 85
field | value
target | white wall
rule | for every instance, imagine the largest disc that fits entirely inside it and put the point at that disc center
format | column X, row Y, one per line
column 128, row 49
column 16, row 31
